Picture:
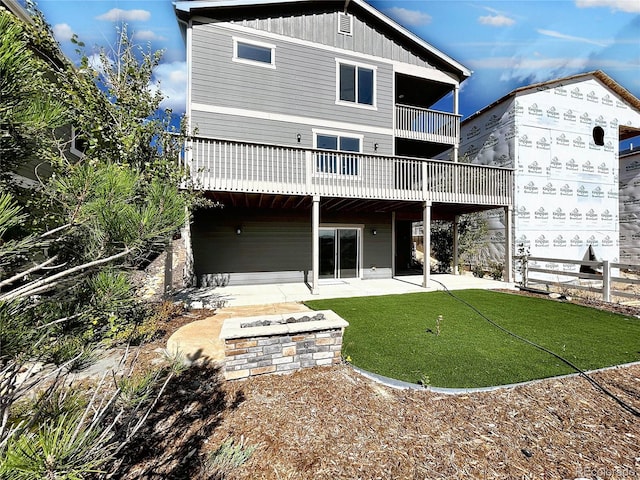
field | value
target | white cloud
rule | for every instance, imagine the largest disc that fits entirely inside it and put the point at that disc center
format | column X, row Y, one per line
column 496, row 20
column 563, row 36
column 147, row 35
column 118, row 15
column 173, row 85
column 62, row 32
column 408, row 17
column 629, row 6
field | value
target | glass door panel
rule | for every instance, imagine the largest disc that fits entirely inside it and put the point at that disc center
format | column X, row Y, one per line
column 327, row 253
column 348, row 253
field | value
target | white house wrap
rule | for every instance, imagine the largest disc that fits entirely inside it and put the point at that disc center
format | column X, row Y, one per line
column 562, row 138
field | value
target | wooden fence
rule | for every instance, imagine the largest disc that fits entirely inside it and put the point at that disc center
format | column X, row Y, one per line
column 563, row 273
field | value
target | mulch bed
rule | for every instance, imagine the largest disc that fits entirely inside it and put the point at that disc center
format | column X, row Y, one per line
column 332, row 423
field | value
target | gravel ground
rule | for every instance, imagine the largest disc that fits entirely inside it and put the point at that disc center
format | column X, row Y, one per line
column 332, row 423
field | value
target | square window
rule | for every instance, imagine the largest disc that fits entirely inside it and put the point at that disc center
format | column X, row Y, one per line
column 337, row 162
column 356, row 84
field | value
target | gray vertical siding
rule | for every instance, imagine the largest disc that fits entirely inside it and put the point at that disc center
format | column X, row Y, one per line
column 323, row 28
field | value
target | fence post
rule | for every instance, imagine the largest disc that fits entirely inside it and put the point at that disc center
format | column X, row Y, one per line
column 606, row 281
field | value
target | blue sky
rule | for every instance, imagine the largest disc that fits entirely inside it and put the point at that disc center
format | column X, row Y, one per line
column 507, row 44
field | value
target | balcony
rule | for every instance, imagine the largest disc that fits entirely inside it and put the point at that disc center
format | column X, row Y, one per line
column 426, row 125
column 222, row 165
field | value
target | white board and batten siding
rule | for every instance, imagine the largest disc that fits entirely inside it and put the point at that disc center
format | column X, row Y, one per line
column 566, row 186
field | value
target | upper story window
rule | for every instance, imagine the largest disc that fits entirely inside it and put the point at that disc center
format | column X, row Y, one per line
column 255, row 53
column 341, row 163
column 356, row 84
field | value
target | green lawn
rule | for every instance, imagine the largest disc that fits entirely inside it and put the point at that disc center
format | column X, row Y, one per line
column 389, row 335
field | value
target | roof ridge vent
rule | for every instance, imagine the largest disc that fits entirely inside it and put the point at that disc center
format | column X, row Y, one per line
column 345, row 23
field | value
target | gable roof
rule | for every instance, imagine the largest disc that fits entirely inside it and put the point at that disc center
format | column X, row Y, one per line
column 185, row 9
column 609, row 82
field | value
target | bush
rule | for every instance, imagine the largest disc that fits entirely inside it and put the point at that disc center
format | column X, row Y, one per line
column 478, row 270
column 495, row 270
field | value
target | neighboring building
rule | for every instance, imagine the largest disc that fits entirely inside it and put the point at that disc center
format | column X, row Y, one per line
column 630, row 206
column 313, row 128
column 29, row 170
column 562, row 137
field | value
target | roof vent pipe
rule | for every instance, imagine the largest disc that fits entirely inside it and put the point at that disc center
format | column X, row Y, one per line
column 346, row 5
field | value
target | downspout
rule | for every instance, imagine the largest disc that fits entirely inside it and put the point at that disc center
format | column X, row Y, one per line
column 346, row 5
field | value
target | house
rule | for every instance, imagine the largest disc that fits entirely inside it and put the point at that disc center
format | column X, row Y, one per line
column 562, row 138
column 313, row 126
column 27, row 171
column 630, row 206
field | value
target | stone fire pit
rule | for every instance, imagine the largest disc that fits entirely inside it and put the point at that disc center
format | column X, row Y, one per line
column 281, row 343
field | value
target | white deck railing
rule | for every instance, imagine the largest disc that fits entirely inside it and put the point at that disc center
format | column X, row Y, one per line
column 222, row 165
column 427, row 125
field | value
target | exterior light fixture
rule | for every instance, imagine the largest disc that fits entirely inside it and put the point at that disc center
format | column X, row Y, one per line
column 298, row 137
column 374, row 231
column 375, row 147
column 238, row 230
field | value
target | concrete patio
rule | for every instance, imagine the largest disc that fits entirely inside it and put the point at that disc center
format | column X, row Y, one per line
column 243, row 295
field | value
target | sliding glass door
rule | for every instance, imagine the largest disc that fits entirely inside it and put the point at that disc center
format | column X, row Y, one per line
column 339, row 252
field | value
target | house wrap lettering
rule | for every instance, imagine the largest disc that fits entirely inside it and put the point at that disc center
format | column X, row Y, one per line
column 575, row 215
column 582, row 191
column 585, row 119
column 559, row 214
column 524, row 141
column 592, row 241
column 587, row 167
column 576, row 241
column 592, row 97
column 531, row 188
column 591, row 215
column 543, row 144
column 541, row 241
column 541, row 214
column 569, row 116
column 566, row 191
column 549, row 189
column 576, row 93
column 559, row 241
column 579, row 143
column 534, row 110
column 597, row 192
column 562, row 140
column 533, row 167
column 601, row 121
column 560, row 90
column 555, row 163
column 553, row 114
column 603, row 168
column 606, row 100
column 571, row 165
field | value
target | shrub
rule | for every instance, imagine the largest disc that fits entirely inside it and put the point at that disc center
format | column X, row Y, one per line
column 478, row 270
column 495, row 270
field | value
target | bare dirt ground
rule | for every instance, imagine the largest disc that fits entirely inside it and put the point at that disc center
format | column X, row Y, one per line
column 331, row 423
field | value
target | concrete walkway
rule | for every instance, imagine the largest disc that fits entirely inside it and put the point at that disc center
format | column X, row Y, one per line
column 199, row 340
column 241, row 295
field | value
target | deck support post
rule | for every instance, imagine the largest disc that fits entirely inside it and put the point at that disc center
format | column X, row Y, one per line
column 426, row 242
column 315, row 244
column 508, row 244
column 456, row 260
column 393, row 244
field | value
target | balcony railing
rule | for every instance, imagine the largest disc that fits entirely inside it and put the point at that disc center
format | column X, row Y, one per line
column 426, row 125
column 222, row 165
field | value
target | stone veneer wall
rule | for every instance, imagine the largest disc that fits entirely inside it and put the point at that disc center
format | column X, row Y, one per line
column 281, row 344
column 282, row 353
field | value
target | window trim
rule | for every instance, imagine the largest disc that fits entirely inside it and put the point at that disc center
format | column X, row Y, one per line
column 340, row 168
column 255, row 43
column 356, row 104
